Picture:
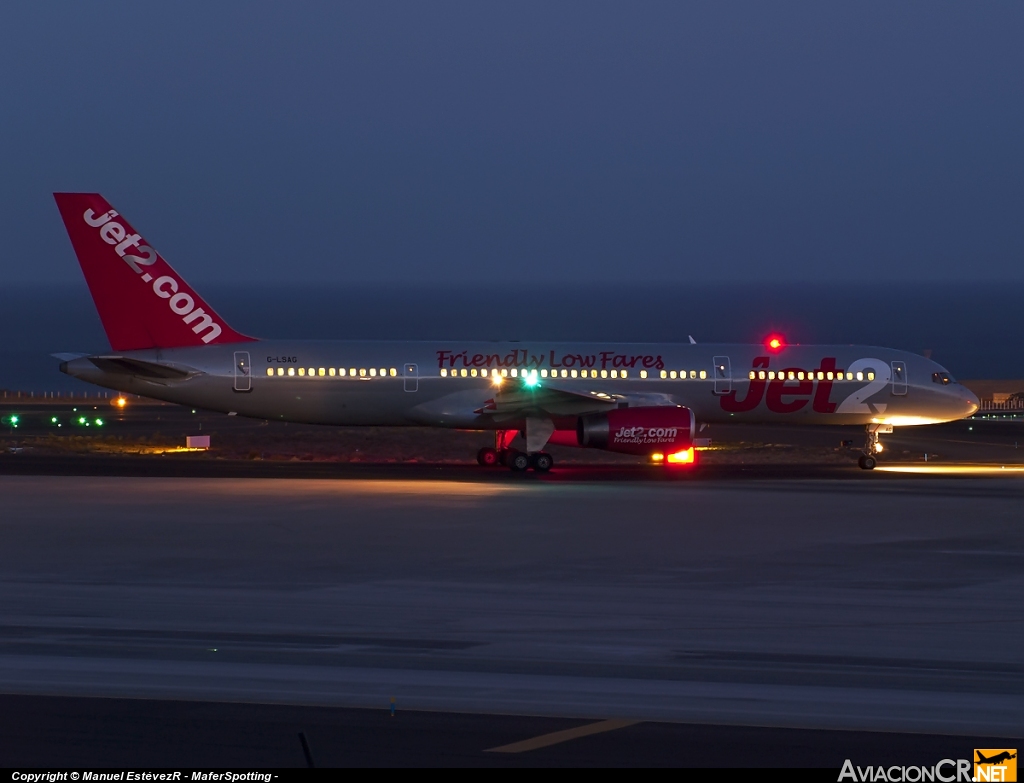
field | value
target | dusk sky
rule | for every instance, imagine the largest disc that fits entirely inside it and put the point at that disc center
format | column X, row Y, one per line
column 522, row 144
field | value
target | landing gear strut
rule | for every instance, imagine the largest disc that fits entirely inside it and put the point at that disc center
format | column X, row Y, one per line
column 868, row 460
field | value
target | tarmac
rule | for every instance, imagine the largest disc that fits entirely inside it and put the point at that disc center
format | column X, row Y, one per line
column 800, row 600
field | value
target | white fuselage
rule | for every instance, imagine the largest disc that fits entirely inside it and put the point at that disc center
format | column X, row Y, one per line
column 454, row 384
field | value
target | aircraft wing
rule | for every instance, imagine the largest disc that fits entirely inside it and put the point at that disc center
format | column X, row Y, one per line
column 545, row 401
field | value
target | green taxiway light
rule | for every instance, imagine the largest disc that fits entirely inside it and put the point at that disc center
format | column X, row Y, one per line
column 81, row 420
column 53, row 420
column 15, row 420
column 99, row 422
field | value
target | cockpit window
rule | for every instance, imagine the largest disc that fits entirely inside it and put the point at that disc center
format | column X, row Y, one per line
column 942, row 377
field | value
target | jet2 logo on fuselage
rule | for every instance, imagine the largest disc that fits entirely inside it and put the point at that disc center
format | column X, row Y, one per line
column 790, row 389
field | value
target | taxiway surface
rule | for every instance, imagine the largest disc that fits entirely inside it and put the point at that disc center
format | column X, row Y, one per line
column 889, row 604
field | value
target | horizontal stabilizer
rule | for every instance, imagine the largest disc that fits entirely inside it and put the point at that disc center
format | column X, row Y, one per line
column 122, row 365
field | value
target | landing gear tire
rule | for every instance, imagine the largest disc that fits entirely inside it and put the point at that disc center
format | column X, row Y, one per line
column 867, row 462
column 517, row 461
column 542, row 462
column 487, row 457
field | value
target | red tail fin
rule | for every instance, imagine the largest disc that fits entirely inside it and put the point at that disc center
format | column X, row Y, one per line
column 142, row 302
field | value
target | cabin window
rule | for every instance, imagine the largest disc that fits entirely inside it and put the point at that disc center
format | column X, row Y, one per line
column 643, row 373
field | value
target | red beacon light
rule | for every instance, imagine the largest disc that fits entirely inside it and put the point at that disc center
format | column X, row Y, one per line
column 775, row 343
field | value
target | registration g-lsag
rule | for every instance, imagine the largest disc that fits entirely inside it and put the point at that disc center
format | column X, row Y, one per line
column 168, row 343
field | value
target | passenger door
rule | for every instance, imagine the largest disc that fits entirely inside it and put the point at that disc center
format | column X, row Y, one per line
column 722, row 375
column 411, row 376
column 899, row 378
column 243, row 372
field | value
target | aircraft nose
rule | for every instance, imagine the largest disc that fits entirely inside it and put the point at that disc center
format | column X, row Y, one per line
column 970, row 402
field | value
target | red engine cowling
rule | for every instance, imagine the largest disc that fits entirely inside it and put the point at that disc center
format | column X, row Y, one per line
column 638, row 430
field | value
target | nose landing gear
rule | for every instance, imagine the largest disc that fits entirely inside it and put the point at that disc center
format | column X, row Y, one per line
column 868, row 460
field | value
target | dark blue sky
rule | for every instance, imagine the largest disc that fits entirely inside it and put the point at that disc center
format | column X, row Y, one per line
column 522, row 144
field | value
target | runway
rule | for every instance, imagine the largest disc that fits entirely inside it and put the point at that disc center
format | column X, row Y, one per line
column 881, row 605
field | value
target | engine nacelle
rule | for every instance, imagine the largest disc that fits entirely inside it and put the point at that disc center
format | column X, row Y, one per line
column 661, row 430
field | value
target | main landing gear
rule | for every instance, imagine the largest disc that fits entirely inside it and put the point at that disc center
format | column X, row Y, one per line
column 868, row 460
column 488, row 457
column 517, row 461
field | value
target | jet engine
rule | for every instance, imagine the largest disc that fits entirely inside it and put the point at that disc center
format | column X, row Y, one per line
column 652, row 431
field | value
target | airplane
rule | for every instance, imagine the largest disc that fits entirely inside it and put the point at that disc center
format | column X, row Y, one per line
column 996, row 759
column 646, row 399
